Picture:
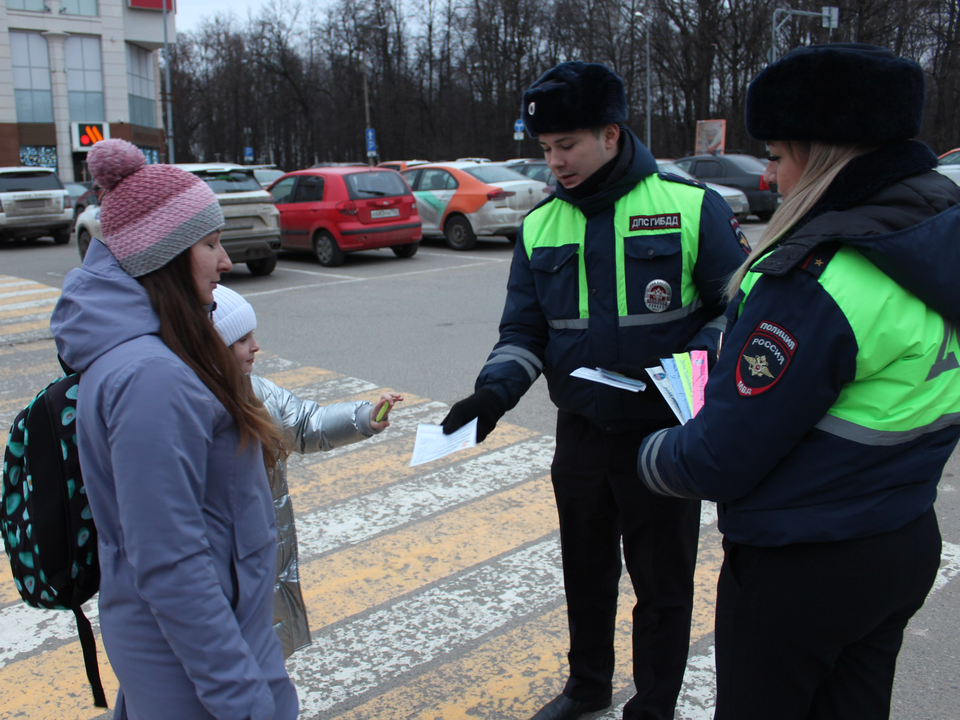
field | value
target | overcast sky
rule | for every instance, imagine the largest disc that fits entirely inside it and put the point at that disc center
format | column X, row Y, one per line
column 191, row 12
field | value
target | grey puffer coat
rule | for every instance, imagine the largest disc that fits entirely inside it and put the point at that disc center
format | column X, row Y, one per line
column 308, row 427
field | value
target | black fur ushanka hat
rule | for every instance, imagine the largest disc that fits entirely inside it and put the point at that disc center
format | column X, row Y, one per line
column 574, row 96
column 837, row 93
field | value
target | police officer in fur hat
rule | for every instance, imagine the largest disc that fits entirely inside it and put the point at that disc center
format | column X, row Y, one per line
column 620, row 265
column 835, row 405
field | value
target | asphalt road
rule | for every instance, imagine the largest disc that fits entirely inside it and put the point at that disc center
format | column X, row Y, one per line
column 435, row 591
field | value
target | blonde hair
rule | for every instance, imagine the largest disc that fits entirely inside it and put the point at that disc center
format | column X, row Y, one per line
column 823, row 163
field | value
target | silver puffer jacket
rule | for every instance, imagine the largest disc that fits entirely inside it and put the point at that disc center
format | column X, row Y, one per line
column 308, row 427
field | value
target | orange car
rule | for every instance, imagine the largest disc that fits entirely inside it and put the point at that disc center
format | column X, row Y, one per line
column 399, row 165
column 461, row 200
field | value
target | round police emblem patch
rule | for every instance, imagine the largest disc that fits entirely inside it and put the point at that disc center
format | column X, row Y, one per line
column 764, row 359
column 657, row 296
column 531, row 108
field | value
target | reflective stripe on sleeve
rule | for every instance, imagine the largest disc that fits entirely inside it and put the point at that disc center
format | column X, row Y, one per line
column 868, row 436
column 648, row 466
column 514, row 353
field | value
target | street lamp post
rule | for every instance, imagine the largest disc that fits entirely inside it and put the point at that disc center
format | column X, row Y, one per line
column 366, row 103
column 166, row 63
column 366, row 95
column 640, row 15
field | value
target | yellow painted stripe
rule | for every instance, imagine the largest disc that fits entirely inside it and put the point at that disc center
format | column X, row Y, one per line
column 349, row 581
column 41, row 294
column 514, row 674
column 5, row 314
column 54, row 685
column 38, row 347
column 373, row 466
column 15, row 328
column 301, row 377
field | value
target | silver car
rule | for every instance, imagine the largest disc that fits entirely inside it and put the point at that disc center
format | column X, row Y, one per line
column 34, row 203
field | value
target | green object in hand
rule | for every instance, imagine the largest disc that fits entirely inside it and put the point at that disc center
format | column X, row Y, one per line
column 383, row 411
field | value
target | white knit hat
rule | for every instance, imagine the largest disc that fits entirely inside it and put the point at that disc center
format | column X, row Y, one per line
column 234, row 316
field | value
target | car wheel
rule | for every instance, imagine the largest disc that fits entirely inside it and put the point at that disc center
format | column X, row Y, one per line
column 326, row 249
column 61, row 237
column 263, row 266
column 742, row 217
column 406, row 251
column 764, row 215
column 83, row 242
column 460, row 235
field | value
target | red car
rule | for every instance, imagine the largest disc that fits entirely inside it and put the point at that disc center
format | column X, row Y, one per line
column 335, row 210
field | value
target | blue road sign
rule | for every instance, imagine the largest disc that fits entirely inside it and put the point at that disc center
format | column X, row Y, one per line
column 518, row 126
column 371, row 142
column 248, row 154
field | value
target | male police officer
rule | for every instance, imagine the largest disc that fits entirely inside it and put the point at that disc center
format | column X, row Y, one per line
column 619, row 266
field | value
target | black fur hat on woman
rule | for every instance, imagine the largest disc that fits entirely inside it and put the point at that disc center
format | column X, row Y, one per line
column 574, row 96
column 837, row 93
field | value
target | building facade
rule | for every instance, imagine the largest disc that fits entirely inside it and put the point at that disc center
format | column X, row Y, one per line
column 76, row 71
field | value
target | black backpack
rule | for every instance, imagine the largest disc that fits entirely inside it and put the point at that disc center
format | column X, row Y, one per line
column 48, row 530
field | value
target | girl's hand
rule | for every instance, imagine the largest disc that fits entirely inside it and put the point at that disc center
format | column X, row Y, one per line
column 389, row 399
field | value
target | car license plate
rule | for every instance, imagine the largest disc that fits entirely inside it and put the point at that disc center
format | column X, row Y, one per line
column 32, row 203
column 392, row 212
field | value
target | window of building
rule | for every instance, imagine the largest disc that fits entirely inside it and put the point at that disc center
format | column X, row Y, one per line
column 141, row 87
column 31, row 77
column 151, row 154
column 84, row 78
column 78, row 7
column 38, row 156
column 34, row 5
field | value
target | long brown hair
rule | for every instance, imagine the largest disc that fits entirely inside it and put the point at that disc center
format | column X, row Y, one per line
column 186, row 329
column 823, row 162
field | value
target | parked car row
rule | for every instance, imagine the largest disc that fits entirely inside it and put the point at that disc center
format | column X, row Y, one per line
column 743, row 172
column 251, row 234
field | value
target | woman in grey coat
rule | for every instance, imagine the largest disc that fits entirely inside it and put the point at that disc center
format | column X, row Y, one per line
column 307, row 427
column 173, row 456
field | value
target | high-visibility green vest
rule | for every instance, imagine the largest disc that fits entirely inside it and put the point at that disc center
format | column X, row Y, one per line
column 907, row 357
column 653, row 208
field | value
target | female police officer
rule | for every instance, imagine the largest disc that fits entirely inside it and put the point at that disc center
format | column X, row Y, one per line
column 835, row 403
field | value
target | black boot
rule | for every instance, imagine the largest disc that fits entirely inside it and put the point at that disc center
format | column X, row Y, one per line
column 565, row 708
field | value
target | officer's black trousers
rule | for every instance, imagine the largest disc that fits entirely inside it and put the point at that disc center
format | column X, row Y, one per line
column 599, row 499
column 812, row 631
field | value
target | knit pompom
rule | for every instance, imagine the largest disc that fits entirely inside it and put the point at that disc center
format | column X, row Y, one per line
column 110, row 161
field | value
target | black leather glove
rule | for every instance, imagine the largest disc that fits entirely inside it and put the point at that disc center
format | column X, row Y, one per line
column 484, row 404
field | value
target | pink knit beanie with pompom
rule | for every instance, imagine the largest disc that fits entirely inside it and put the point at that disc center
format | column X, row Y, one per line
column 149, row 214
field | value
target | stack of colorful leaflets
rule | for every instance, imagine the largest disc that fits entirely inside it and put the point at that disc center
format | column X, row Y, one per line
column 681, row 380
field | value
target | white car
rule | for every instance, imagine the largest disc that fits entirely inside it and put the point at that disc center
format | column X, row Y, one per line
column 252, row 231
column 87, row 228
column 736, row 199
column 949, row 165
column 34, row 203
column 461, row 200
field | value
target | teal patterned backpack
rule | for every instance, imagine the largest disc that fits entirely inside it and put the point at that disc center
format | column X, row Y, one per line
column 48, row 530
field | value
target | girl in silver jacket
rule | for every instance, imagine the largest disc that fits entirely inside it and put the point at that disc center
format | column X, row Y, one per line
column 307, row 427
